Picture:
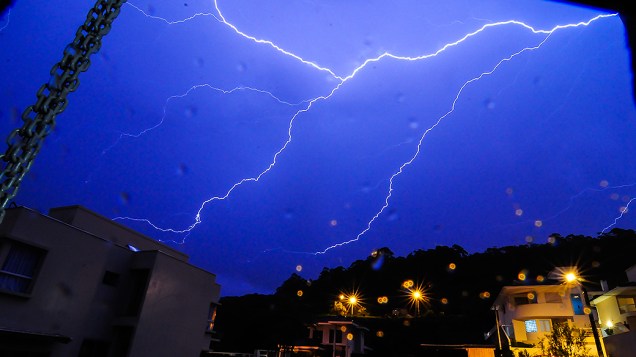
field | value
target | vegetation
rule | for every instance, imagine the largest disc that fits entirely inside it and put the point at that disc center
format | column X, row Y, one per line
column 459, row 288
column 565, row 341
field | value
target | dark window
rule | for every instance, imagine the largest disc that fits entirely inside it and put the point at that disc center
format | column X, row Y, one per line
column 19, row 265
column 110, row 278
column 525, row 299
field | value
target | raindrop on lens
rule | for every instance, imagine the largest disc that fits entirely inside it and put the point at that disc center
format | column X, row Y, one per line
column 124, row 198
column 191, row 111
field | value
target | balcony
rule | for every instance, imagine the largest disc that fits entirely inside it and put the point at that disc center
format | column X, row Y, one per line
column 528, row 311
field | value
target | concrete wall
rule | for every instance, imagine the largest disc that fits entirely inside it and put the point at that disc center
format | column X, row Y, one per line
column 71, row 298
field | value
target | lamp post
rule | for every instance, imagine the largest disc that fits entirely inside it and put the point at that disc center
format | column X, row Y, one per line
column 571, row 278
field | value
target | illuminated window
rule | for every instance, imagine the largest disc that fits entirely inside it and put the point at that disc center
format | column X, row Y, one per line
column 531, row 326
column 626, row 304
column 19, row 264
column 211, row 317
column 544, row 325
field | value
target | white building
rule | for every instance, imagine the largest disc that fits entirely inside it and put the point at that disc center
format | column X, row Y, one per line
column 617, row 315
column 527, row 313
column 74, row 283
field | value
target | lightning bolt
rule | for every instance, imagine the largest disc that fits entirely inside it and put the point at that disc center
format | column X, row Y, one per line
column 341, row 81
column 624, row 211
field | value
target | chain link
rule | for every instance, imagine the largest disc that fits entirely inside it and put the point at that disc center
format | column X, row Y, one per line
column 39, row 119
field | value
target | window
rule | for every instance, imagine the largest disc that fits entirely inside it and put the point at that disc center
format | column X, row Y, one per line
column 525, row 299
column 626, row 304
column 337, row 334
column 211, row 317
column 19, row 265
column 538, row 325
column 544, row 325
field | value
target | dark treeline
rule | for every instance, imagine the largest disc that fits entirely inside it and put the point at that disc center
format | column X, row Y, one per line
column 460, row 287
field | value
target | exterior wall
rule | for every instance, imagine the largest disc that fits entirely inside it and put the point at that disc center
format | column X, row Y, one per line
column 72, row 296
column 621, row 345
column 608, row 310
column 513, row 316
column 173, row 318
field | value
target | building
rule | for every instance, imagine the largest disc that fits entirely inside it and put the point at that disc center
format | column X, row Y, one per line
column 333, row 337
column 74, row 283
column 525, row 314
column 617, row 317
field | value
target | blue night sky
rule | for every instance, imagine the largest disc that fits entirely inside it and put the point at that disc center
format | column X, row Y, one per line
column 517, row 131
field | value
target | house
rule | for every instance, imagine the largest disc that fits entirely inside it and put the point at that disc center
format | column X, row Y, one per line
column 526, row 313
column 74, row 283
column 338, row 337
column 617, row 316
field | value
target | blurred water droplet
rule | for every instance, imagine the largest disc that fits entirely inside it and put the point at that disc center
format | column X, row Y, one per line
column 150, row 10
column 413, row 124
column 489, row 103
column 124, row 198
column 199, row 62
column 393, row 216
column 368, row 41
column 437, row 227
column 241, row 67
column 191, row 111
column 400, row 98
column 182, row 169
column 289, row 214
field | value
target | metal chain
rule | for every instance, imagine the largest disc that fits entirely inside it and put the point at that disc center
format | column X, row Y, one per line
column 39, row 119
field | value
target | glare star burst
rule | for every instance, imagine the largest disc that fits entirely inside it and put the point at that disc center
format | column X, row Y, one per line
column 340, row 80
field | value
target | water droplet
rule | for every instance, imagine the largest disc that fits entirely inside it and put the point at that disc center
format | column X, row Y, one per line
column 299, row 268
column 241, row 67
column 124, row 198
column 191, row 111
column 393, row 216
column 182, row 169
column 489, row 103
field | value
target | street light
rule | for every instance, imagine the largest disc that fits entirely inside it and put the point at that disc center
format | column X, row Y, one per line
column 416, row 294
column 352, row 301
column 571, row 278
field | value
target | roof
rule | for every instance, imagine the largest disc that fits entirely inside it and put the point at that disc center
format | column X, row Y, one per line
column 621, row 290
